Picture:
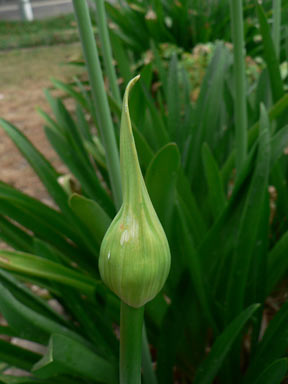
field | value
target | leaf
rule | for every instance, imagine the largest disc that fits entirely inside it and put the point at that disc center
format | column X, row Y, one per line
column 160, row 179
column 143, row 148
column 274, row 373
column 28, row 323
column 137, row 100
column 274, row 112
column 174, row 323
column 278, row 144
column 17, row 357
column 208, row 370
column 273, row 346
column 48, row 176
column 6, row 379
column 36, row 216
column 216, row 192
column 83, row 125
column 121, row 57
column 14, row 236
column 26, row 297
column 158, row 131
column 37, row 266
column 173, row 102
column 270, row 55
column 67, row 356
column 77, row 96
column 94, row 324
column 249, row 224
column 70, row 147
column 277, row 262
column 191, row 209
column 92, row 215
column 208, row 110
column 41, row 166
column 193, row 265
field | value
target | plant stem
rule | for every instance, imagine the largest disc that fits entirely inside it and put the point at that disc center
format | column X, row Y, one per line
column 276, row 29
column 149, row 376
column 106, row 50
column 131, row 325
column 240, row 83
column 99, row 96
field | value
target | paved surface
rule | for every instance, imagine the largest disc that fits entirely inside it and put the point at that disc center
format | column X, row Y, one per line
column 9, row 10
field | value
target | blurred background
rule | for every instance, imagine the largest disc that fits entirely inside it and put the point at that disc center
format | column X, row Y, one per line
column 38, row 41
column 12, row 9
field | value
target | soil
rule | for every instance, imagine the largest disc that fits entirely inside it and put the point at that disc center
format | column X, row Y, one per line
column 23, row 76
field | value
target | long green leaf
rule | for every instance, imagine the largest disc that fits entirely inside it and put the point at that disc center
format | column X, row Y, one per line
column 216, row 192
column 274, row 112
column 92, row 215
column 28, row 323
column 270, row 55
column 17, row 357
column 278, row 143
column 274, row 374
column 173, row 102
column 37, row 266
column 193, row 265
column 41, row 166
column 160, row 179
column 249, row 223
column 67, row 356
column 277, row 262
column 47, row 175
column 26, row 297
column 14, row 236
column 208, row 109
column 208, row 370
column 273, row 346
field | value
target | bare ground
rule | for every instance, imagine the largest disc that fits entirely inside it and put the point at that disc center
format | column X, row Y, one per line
column 23, row 76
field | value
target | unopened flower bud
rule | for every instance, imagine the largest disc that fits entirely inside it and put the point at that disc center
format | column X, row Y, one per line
column 134, row 257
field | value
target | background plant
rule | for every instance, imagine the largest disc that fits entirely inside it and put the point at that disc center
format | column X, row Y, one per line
column 227, row 232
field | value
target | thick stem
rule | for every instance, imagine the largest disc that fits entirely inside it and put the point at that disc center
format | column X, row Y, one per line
column 276, row 29
column 131, row 324
column 106, row 50
column 99, row 96
column 240, row 83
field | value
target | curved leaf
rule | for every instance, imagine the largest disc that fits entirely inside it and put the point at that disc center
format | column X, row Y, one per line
column 37, row 266
column 220, row 349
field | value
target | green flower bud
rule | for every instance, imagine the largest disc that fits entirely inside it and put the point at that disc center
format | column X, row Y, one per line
column 134, row 257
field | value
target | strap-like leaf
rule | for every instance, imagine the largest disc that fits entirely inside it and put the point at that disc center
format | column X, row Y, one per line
column 37, row 266
column 67, row 356
column 272, row 346
column 220, row 349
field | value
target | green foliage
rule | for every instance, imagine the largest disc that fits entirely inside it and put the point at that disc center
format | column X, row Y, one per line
column 227, row 233
column 23, row 34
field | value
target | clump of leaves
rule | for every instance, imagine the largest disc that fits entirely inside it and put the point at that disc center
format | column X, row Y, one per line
column 228, row 251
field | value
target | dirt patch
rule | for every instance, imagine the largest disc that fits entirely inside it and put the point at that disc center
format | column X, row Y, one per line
column 23, row 76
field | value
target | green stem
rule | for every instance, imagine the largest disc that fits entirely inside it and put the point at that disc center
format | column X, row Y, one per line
column 276, row 29
column 106, row 49
column 131, row 325
column 240, row 83
column 99, row 96
column 149, row 376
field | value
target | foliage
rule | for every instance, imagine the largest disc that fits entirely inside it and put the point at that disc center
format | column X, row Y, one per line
column 23, row 34
column 184, row 23
column 227, row 233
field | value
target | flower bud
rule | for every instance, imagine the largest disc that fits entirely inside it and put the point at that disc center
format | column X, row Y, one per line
column 134, row 257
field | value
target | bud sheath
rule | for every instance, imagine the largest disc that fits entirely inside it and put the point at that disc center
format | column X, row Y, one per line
column 134, row 257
